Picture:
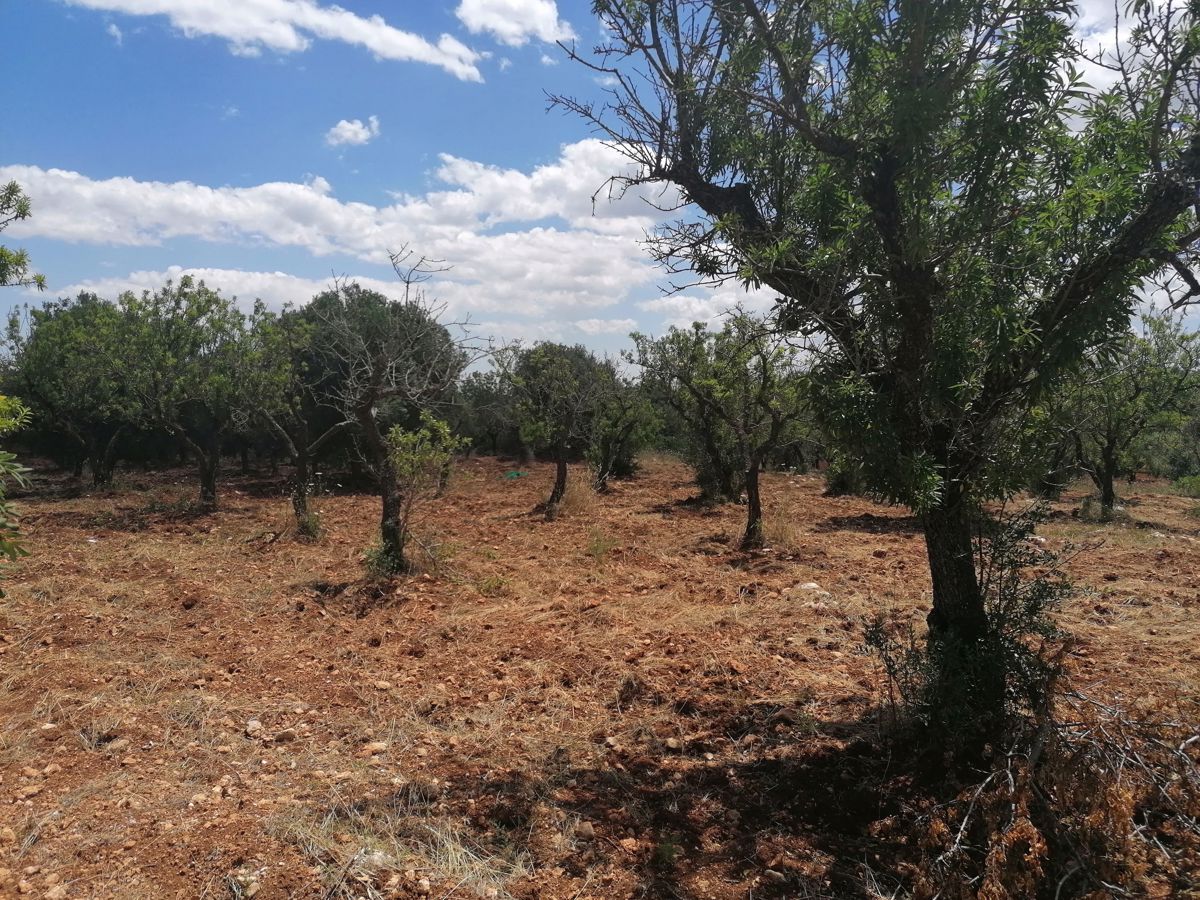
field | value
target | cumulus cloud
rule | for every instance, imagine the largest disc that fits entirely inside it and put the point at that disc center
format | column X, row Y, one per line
column 520, row 242
column 606, row 326
column 707, row 305
column 352, row 131
column 514, row 22
column 275, row 289
column 290, row 26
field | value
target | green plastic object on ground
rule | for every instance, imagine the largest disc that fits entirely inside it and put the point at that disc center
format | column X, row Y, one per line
column 515, row 474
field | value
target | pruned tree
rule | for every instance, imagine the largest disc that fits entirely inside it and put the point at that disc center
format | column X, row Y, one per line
column 936, row 196
column 420, row 458
column 624, row 423
column 749, row 378
column 559, row 390
column 1123, row 392
column 487, row 414
column 294, row 395
column 393, row 360
column 695, row 429
column 181, row 355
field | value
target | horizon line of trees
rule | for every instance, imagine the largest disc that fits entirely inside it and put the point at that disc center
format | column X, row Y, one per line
column 181, row 374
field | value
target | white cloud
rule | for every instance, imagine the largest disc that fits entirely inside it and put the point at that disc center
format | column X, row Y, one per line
column 548, row 60
column 273, row 288
column 606, row 326
column 276, row 289
column 352, row 131
column 115, row 33
column 505, row 64
column 514, row 22
column 290, row 26
column 707, row 305
column 521, row 243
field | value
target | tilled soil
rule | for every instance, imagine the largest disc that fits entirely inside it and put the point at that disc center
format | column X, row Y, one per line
column 614, row 704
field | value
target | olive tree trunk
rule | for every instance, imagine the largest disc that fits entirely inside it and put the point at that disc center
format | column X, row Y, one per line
column 753, row 538
column 560, row 484
column 391, row 520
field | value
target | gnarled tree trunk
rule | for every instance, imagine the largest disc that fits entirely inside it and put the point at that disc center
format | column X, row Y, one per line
column 753, row 538
column 391, row 524
column 560, row 484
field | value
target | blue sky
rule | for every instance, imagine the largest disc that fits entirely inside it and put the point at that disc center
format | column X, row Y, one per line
column 267, row 145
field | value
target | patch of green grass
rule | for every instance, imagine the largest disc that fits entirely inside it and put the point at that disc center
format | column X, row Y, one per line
column 600, row 544
column 1189, row 486
column 492, row 585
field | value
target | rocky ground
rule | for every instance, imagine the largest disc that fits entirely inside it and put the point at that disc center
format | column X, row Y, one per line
column 616, row 704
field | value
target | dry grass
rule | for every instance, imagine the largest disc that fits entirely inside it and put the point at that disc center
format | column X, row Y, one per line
column 622, row 672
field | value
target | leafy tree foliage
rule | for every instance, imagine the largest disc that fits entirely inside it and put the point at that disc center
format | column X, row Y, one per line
column 624, row 423
column 181, row 354
column 934, row 193
column 295, row 398
column 14, row 415
column 559, row 391
column 14, row 264
column 700, row 436
column 60, row 358
column 747, row 380
column 390, row 361
column 488, row 414
column 420, row 458
column 1124, row 392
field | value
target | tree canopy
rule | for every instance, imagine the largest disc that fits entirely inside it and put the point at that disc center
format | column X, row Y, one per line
column 935, row 194
column 14, row 264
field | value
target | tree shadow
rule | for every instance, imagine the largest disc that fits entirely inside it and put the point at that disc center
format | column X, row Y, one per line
column 155, row 514
column 766, row 797
column 871, row 523
column 694, row 505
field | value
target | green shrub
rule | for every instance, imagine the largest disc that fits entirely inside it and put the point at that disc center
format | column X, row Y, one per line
column 937, row 687
column 308, row 526
column 379, row 563
column 600, row 545
column 844, row 478
column 1189, row 486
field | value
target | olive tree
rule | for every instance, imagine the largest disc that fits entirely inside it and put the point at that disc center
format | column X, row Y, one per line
column 487, row 413
column 624, row 423
column 934, row 193
column 420, row 459
column 1124, row 391
column 181, row 353
column 295, row 396
column 558, row 392
column 392, row 360
column 59, row 360
column 747, row 377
